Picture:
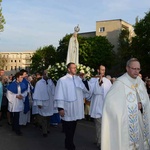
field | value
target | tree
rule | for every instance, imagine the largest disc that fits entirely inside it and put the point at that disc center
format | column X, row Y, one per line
column 2, row 20
column 63, row 48
column 141, row 43
column 124, row 52
column 2, row 62
column 42, row 58
column 95, row 51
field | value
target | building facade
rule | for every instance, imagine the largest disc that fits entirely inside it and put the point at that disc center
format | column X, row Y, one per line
column 111, row 29
column 15, row 61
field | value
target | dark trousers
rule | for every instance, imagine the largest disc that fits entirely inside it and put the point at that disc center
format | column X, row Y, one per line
column 44, row 121
column 15, row 121
column 70, row 127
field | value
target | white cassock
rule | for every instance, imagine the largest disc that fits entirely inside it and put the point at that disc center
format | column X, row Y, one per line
column 42, row 96
column 98, row 95
column 73, row 51
column 15, row 104
column 69, row 94
column 124, row 127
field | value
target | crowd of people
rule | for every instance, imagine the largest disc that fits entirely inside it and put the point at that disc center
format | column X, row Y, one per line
column 120, row 106
column 17, row 103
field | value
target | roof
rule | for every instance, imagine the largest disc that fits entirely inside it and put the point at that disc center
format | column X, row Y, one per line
column 114, row 20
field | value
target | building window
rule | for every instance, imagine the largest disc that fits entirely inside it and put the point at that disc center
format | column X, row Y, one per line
column 19, row 60
column 19, row 68
column 15, row 67
column 11, row 67
column 102, row 29
column 6, row 68
column 15, row 60
column 11, row 60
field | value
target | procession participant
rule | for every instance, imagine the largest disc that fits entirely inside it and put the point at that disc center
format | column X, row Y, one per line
column 69, row 95
column 55, row 118
column 42, row 97
column 125, row 120
column 35, row 108
column 16, row 94
column 4, row 107
column 25, row 114
column 100, row 87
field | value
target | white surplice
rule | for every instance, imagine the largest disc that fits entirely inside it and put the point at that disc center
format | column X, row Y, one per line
column 69, row 95
column 15, row 104
column 98, row 95
column 43, row 96
column 124, row 127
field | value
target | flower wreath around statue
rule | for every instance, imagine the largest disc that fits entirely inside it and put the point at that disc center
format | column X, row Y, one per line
column 60, row 69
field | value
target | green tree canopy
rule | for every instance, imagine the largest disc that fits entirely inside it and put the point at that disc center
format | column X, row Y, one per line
column 95, row 51
column 63, row 48
column 2, row 20
column 124, row 52
column 42, row 58
column 141, row 43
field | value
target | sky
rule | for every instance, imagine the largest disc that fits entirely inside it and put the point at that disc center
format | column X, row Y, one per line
column 31, row 24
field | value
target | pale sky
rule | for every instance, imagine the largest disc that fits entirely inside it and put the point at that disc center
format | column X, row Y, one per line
column 31, row 24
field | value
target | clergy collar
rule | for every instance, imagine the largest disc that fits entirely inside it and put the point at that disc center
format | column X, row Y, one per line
column 130, row 82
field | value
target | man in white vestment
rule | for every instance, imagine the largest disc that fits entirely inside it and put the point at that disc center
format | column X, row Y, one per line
column 69, row 95
column 100, row 86
column 43, row 98
column 73, row 48
column 126, row 112
column 16, row 94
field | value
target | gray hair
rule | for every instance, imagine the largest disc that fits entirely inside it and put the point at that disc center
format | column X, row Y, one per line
column 131, row 60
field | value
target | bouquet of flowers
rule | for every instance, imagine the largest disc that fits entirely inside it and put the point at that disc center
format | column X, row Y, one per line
column 85, row 71
column 57, row 71
column 60, row 69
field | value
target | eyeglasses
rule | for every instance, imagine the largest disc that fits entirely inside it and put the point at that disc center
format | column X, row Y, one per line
column 138, row 69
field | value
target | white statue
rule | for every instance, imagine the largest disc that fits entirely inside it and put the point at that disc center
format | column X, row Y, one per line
column 73, row 48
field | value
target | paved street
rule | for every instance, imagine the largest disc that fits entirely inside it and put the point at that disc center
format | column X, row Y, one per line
column 33, row 140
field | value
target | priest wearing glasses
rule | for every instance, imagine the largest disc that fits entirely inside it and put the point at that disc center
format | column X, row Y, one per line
column 126, row 113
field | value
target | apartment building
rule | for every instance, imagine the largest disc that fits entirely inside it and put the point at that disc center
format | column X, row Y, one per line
column 15, row 61
column 111, row 29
